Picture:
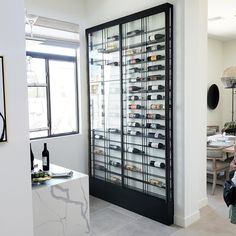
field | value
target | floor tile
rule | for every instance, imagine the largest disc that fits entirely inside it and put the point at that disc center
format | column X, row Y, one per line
column 97, row 204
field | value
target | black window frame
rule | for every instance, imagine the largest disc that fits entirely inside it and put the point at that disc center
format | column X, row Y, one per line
column 56, row 57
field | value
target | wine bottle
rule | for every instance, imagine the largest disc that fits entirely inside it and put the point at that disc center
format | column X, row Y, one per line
column 154, row 116
column 155, row 77
column 114, row 147
column 156, row 37
column 45, row 158
column 156, row 106
column 137, row 79
column 31, row 158
column 113, row 38
column 134, row 61
column 134, row 32
column 99, row 152
column 156, row 87
column 132, row 167
column 135, row 115
column 113, row 130
column 155, row 58
column 134, row 98
column 156, row 145
column 156, row 182
column 156, row 135
column 114, row 163
column 115, row 179
column 134, row 124
column 99, row 167
column 134, row 150
column 98, row 136
column 156, row 67
column 157, row 164
column 135, row 88
column 155, row 48
column 154, row 126
column 133, row 132
column 154, row 97
column 136, row 69
column 135, row 106
column 115, row 63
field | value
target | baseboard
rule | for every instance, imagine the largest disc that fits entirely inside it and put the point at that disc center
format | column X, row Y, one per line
column 203, row 202
column 186, row 221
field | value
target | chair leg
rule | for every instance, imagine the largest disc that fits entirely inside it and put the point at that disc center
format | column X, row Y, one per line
column 213, row 183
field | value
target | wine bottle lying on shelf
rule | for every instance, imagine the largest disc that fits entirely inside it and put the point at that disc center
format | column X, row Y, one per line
column 134, row 150
column 133, row 51
column 157, row 106
column 114, row 147
column 132, row 167
column 157, row 183
column 156, row 135
column 156, row 67
column 115, row 179
column 134, row 32
column 114, row 63
column 155, row 97
column 155, row 58
column 155, row 77
column 135, row 115
column 133, row 98
column 156, row 37
column 134, row 124
column 99, row 152
column 154, row 126
column 135, row 70
column 113, row 38
column 156, row 145
column 154, row 116
column 135, row 88
column 156, row 87
column 134, row 61
column 135, row 106
column 98, row 136
column 113, row 130
column 100, row 167
column 133, row 132
column 114, row 163
column 137, row 79
column 159, row 164
column 155, row 48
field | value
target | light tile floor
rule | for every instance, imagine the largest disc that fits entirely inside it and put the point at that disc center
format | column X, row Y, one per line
column 110, row 220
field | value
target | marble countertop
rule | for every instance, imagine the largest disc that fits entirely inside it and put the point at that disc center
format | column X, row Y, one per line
column 55, row 181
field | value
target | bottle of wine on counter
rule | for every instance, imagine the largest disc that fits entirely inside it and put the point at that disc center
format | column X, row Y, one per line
column 133, row 132
column 157, row 164
column 155, row 97
column 156, row 87
column 114, row 147
column 45, row 158
column 135, row 88
column 135, row 106
column 31, row 158
column 155, row 58
column 134, row 98
column 156, row 145
column 134, row 150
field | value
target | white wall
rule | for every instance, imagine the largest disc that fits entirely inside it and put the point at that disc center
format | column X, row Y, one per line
column 68, row 151
column 215, row 70
column 15, row 179
column 190, row 76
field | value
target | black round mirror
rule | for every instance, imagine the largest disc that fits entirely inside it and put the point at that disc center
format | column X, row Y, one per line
column 213, row 96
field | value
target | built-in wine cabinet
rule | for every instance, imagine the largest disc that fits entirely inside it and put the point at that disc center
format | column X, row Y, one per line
column 130, row 70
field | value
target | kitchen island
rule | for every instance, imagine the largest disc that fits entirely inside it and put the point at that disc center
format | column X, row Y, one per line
column 61, row 205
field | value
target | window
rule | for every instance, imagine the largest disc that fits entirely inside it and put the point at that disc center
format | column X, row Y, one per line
column 52, row 94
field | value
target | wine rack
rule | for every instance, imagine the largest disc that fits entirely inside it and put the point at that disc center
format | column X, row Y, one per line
column 130, row 70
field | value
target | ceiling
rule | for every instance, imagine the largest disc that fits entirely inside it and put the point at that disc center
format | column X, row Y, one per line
column 222, row 19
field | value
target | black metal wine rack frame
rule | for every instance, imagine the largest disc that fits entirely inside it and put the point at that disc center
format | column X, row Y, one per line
column 153, row 207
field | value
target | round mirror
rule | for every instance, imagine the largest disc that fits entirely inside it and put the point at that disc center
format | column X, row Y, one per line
column 213, row 96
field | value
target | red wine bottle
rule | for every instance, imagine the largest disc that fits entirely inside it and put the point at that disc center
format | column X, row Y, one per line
column 135, row 88
column 157, row 164
column 134, row 150
column 156, row 37
column 134, row 98
column 155, row 77
column 135, row 115
column 154, row 97
column 155, row 58
column 134, row 61
column 31, row 158
column 135, row 106
column 45, row 158
column 156, row 145
column 155, row 48
column 154, row 116
column 156, row 67
column 134, row 124
column 156, row 87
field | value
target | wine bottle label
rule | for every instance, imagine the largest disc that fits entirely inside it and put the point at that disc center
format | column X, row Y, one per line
column 44, row 160
column 156, row 135
column 133, row 132
column 134, row 106
column 153, row 97
column 130, row 149
column 156, row 106
column 157, row 164
column 152, row 37
column 153, row 58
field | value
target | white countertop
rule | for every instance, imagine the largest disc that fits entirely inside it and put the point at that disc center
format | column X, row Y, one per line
column 55, row 181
